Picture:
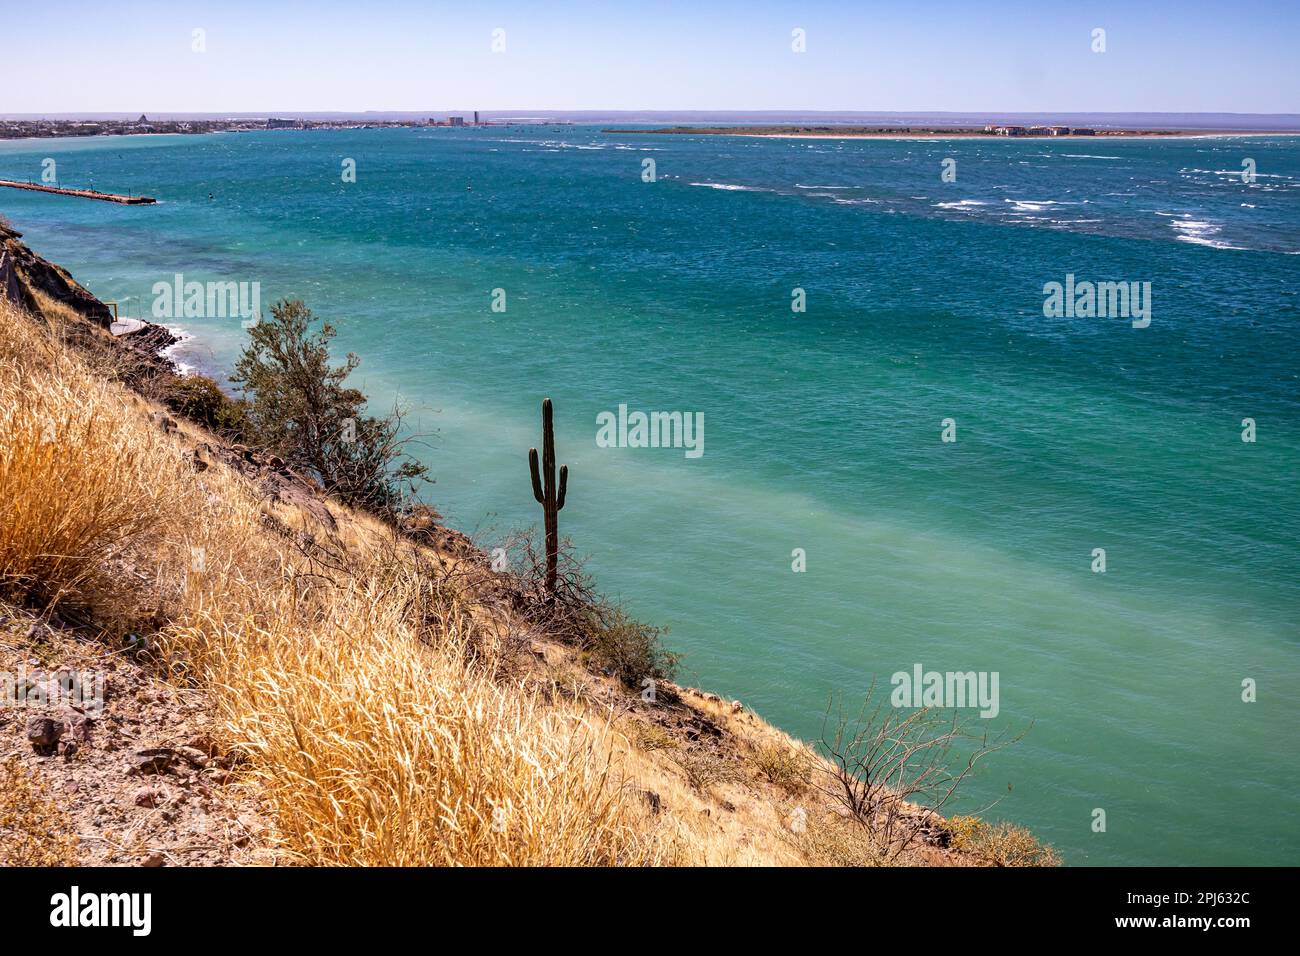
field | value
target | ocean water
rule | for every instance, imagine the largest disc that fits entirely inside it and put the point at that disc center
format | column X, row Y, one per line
column 823, row 427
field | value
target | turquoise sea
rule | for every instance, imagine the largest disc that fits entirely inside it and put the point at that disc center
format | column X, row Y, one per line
column 823, row 428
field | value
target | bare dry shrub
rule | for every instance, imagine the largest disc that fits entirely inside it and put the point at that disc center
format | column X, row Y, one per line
column 886, row 764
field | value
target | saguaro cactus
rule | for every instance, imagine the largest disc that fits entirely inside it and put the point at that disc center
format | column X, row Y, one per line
column 549, row 495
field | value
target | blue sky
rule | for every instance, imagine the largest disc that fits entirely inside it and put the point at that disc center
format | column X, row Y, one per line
column 128, row 55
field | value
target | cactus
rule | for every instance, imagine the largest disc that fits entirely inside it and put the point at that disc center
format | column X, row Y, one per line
column 549, row 496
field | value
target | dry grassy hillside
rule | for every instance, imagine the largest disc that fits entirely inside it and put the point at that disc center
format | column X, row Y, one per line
column 291, row 682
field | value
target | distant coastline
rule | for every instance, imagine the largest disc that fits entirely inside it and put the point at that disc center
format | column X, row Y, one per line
column 947, row 132
column 853, row 124
column 68, row 128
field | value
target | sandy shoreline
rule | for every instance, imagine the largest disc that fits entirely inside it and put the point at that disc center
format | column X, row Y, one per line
column 1080, row 134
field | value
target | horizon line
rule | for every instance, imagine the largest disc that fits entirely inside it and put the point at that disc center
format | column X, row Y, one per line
column 659, row 109
column 788, row 115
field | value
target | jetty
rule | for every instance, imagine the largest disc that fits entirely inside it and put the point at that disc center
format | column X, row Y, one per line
column 83, row 193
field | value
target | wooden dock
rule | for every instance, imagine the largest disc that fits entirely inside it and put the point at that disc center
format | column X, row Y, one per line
column 83, row 193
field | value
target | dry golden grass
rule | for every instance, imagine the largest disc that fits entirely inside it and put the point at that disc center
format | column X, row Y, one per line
column 789, row 767
column 377, row 748
column 704, row 769
column 650, row 737
column 72, row 494
column 1002, row 844
column 830, row 839
column 34, row 831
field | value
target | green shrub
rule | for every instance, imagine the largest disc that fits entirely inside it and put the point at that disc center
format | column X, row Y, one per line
column 201, row 400
column 626, row 648
column 300, row 408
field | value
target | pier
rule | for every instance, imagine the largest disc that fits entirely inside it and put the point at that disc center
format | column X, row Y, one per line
column 83, row 193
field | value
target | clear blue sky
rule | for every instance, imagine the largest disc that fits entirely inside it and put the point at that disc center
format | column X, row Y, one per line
column 979, row 55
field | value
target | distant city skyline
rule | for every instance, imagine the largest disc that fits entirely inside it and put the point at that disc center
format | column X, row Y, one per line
column 1282, row 122
column 1006, row 56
